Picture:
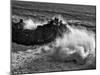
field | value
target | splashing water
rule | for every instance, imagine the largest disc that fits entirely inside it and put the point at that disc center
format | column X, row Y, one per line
column 78, row 41
column 31, row 24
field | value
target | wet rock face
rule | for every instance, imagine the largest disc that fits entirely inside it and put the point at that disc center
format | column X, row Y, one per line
column 41, row 35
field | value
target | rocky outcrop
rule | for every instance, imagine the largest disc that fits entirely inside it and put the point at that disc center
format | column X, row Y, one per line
column 41, row 35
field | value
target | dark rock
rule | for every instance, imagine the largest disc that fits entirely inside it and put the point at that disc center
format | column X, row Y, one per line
column 41, row 35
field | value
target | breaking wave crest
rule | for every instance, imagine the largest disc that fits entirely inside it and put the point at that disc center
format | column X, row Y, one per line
column 75, row 42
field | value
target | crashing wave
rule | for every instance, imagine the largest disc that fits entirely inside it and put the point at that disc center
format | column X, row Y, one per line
column 60, row 41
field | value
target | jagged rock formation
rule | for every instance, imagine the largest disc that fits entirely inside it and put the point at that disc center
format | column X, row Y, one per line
column 41, row 35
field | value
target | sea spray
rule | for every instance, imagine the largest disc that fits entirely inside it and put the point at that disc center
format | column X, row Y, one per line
column 80, row 41
column 31, row 24
column 77, row 41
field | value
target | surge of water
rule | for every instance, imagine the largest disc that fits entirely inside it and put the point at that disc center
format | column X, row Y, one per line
column 80, row 41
